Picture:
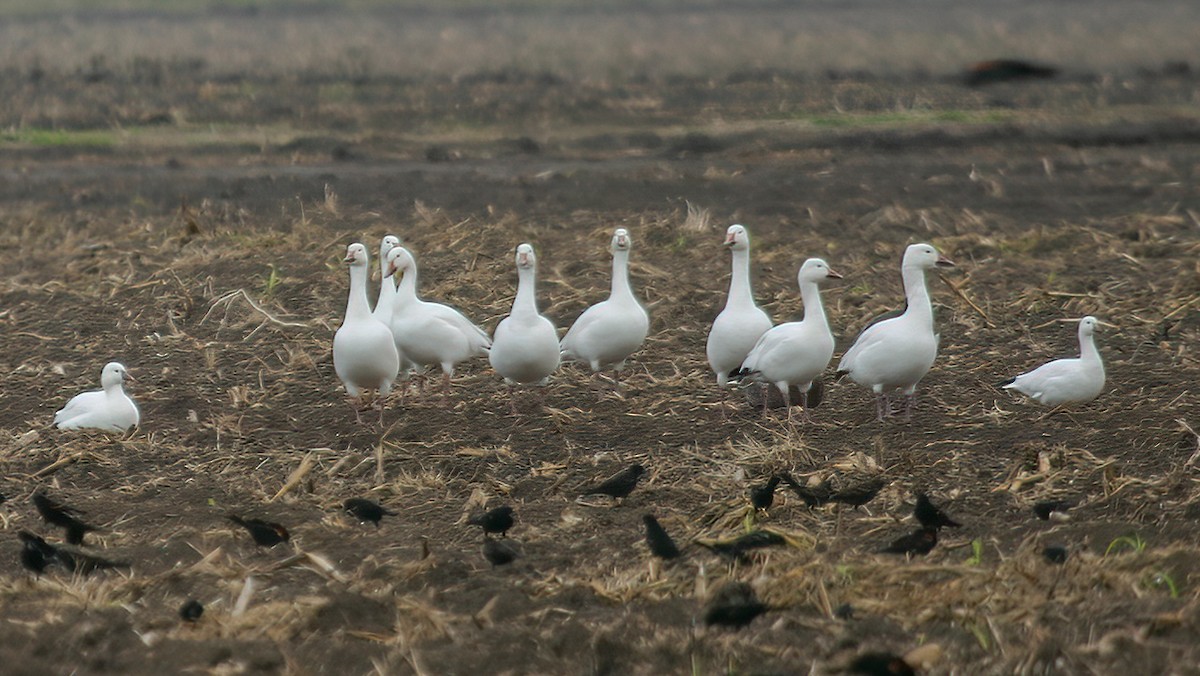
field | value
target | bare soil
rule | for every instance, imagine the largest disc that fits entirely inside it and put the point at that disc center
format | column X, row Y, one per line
column 211, row 268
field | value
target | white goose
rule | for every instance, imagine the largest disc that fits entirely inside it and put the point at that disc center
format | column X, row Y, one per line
column 1064, row 381
column 795, row 353
column 525, row 344
column 364, row 355
column 741, row 323
column 608, row 332
column 386, row 304
column 430, row 334
column 896, row 353
column 106, row 409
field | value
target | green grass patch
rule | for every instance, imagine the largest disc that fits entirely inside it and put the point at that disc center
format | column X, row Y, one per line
column 54, row 138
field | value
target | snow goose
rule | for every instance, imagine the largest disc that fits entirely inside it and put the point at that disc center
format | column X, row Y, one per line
column 386, row 304
column 742, row 322
column 364, row 355
column 795, row 353
column 105, row 409
column 896, row 353
column 608, row 332
column 525, row 344
column 430, row 334
column 1064, row 381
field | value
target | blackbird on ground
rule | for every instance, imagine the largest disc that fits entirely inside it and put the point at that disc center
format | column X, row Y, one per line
column 497, row 520
column 814, row 496
column 739, row 547
column 859, row 494
column 366, row 510
column 619, row 485
column 265, row 533
column 1055, row 554
column 657, row 539
column 919, row 542
column 498, row 553
column 734, row 605
column 880, row 664
column 1047, row 509
column 37, row 555
column 191, row 611
column 930, row 515
column 58, row 514
column 762, row 497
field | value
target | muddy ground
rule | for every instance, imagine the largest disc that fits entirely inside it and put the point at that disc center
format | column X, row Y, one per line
column 192, row 225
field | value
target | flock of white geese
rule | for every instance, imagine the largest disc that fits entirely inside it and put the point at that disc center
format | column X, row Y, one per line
column 375, row 348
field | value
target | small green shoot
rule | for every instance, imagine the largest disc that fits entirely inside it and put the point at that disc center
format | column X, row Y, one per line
column 976, row 552
column 271, row 283
column 1163, row 579
column 1133, row 543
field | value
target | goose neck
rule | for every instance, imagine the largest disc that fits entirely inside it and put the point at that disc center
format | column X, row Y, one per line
column 526, row 300
column 739, row 280
column 356, row 305
column 814, row 310
column 620, row 275
column 1087, row 349
column 916, row 293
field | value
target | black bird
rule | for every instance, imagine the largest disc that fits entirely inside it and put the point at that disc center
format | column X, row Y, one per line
column 265, row 533
column 844, row 612
column 58, row 514
column 930, row 515
column 812, row 496
column 734, row 605
column 3, row 498
column 619, row 485
column 1006, row 70
column 919, row 542
column 36, row 553
column 191, row 611
column 1047, row 508
column 657, row 539
column 1056, row 555
column 366, row 510
column 739, row 547
column 498, row 553
column 859, row 494
column 880, row 664
column 762, row 497
column 497, row 520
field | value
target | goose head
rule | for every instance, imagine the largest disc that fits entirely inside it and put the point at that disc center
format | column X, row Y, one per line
column 526, row 259
column 114, row 374
column 399, row 261
column 621, row 241
column 816, row 270
column 356, row 255
column 736, row 238
column 1088, row 326
column 389, row 242
column 924, row 257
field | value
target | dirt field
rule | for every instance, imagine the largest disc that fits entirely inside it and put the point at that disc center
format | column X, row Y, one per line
column 187, row 217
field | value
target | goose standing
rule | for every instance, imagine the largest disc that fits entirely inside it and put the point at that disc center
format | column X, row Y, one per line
column 525, row 344
column 742, row 322
column 896, row 353
column 105, row 409
column 1064, row 381
column 795, row 353
column 608, row 332
column 386, row 304
column 364, row 354
column 430, row 334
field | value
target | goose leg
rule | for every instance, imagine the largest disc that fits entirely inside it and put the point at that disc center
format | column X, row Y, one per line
column 445, row 388
column 766, row 397
column 787, row 402
column 804, row 407
column 512, row 401
column 882, row 406
column 910, row 402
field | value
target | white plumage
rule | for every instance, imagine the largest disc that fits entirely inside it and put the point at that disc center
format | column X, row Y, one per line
column 385, row 306
column 525, row 343
column 364, row 355
column 1065, row 381
column 894, row 354
column 607, row 333
column 742, row 322
column 795, row 353
column 430, row 334
column 105, row 409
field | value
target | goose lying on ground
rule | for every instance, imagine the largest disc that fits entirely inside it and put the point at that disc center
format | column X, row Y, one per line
column 105, row 409
column 742, row 322
column 608, row 332
column 525, row 344
column 364, row 355
column 430, row 334
column 795, row 353
column 1065, row 381
column 896, row 353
